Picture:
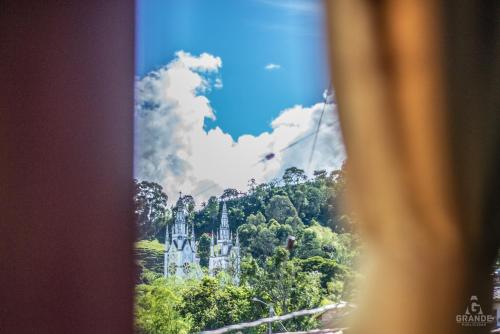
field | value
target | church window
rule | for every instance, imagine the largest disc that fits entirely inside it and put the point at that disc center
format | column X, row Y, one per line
column 172, row 269
column 186, row 268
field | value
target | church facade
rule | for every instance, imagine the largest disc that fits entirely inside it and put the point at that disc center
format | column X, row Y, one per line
column 181, row 253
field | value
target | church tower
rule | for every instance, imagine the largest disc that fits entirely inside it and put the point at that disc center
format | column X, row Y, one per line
column 225, row 255
column 181, row 258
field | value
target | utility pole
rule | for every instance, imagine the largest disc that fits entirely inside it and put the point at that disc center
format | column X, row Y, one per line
column 271, row 314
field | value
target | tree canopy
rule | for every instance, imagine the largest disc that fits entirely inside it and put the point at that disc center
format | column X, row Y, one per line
column 317, row 266
column 150, row 208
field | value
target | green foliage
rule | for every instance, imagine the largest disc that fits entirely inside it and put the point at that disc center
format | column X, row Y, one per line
column 212, row 305
column 264, row 242
column 156, row 310
column 229, row 194
column 236, row 216
column 281, row 231
column 256, row 219
column 295, row 223
column 247, row 232
column 320, row 175
column 204, row 249
column 317, row 269
column 152, row 245
column 149, row 254
column 280, row 208
column 299, row 200
column 342, row 247
column 315, row 198
column 212, row 208
column 328, row 268
column 189, row 203
column 280, row 282
column 205, row 220
column 309, row 245
column 294, row 175
column 150, row 207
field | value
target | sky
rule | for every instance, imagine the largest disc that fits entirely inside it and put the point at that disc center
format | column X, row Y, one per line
column 221, row 83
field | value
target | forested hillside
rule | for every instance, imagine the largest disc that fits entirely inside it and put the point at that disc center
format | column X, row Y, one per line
column 298, row 251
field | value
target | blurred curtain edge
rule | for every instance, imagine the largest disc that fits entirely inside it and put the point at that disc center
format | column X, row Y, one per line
column 66, row 166
column 417, row 83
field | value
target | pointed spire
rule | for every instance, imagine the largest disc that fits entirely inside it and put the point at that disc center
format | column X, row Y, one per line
column 224, row 224
column 180, row 228
column 224, row 221
column 179, row 201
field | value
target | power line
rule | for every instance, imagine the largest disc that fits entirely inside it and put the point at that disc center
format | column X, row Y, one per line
column 271, row 155
column 319, row 124
column 298, row 141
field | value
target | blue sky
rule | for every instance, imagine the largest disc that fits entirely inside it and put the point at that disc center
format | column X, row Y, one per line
column 222, row 83
column 247, row 35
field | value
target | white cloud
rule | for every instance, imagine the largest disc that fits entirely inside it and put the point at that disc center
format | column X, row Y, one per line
column 271, row 67
column 173, row 149
column 205, row 62
column 218, row 83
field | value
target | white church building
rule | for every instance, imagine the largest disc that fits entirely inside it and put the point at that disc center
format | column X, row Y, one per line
column 181, row 254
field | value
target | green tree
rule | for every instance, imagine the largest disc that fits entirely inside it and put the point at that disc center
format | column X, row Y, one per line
column 309, row 245
column 282, row 232
column 247, row 233
column 263, row 243
column 204, row 249
column 344, row 246
column 328, row 268
column 295, row 223
column 280, row 208
column 252, row 185
column 212, row 209
column 189, row 203
column 315, row 200
column 212, row 305
column 299, row 200
column 150, row 205
column 320, row 175
column 256, row 219
column 281, row 283
column 236, row 216
column 294, row 175
column 229, row 194
column 156, row 310
column 205, row 219
column 249, row 268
